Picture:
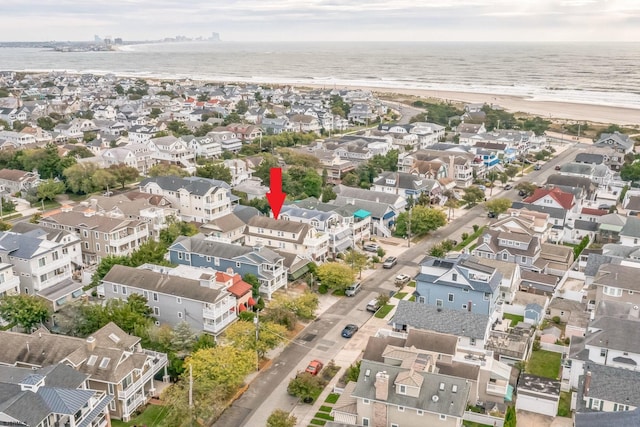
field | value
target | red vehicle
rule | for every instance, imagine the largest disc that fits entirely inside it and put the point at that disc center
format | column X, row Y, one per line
column 314, row 367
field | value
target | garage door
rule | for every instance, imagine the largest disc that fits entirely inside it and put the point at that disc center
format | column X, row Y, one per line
column 537, row 405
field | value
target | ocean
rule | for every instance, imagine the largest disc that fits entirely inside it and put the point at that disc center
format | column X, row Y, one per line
column 600, row 74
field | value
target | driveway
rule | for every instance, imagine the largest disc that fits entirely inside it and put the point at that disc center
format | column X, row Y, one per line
column 531, row 419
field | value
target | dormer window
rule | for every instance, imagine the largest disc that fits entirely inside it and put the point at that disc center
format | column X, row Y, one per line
column 454, row 277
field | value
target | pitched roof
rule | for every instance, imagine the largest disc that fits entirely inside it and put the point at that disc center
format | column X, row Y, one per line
column 614, row 334
column 631, row 228
column 595, row 212
column 620, row 276
column 612, row 384
column 566, row 200
column 616, row 137
column 200, row 245
column 445, row 321
column 599, row 419
column 192, row 184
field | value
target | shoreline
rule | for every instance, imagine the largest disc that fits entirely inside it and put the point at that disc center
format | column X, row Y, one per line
column 550, row 110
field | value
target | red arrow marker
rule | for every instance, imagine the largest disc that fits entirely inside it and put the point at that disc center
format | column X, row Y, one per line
column 275, row 196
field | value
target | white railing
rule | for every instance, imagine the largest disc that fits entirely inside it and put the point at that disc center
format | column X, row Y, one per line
column 383, row 229
column 483, row 419
column 499, row 390
column 160, row 361
column 127, row 409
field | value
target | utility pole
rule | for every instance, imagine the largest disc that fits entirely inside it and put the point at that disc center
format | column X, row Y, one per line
column 409, row 228
column 190, row 392
column 256, row 320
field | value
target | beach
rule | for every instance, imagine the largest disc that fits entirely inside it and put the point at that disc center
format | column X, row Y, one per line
column 546, row 109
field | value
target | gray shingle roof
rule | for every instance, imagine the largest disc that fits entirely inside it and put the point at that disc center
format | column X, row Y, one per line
column 465, row 265
column 615, row 334
column 617, row 138
column 590, row 158
column 620, row 276
column 530, row 382
column 442, row 320
column 362, row 194
column 579, row 224
column 193, row 184
column 599, row 419
column 199, row 245
column 553, row 212
column 612, row 384
column 447, row 402
column 22, row 246
column 631, row 228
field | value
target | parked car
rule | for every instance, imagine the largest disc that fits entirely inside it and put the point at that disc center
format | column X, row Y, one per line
column 373, row 306
column 558, row 167
column 604, row 206
column 349, row 330
column 402, row 279
column 537, row 167
column 371, row 247
column 482, row 187
column 522, row 193
column 492, row 215
column 508, row 187
column 353, row 289
column 390, row 262
column 314, row 367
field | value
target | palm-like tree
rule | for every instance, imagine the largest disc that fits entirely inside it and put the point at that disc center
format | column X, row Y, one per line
column 451, row 203
column 492, row 176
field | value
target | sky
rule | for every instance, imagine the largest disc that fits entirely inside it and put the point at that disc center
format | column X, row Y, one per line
column 323, row 20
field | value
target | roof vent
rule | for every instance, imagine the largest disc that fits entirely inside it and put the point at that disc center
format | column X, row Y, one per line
column 435, row 398
column 441, row 386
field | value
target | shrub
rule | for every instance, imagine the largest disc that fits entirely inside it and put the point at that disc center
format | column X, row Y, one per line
column 536, row 345
column 476, row 227
column 323, row 289
column 556, row 319
column 464, row 236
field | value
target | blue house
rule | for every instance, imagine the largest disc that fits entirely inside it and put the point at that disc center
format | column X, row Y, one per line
column 458, row 283
column 265, row 264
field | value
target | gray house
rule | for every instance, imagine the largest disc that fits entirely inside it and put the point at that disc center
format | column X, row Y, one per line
column 519, row 248
column 459, row 283
column 265, row 264
column 202, row 303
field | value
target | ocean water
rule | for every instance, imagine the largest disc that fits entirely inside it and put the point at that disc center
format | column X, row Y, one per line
column 603, row 74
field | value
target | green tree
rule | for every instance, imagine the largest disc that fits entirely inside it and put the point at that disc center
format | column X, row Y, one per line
column 423, row 219
column 133, row 316
column 254, row 282
column 18, row 125
column 167, row 170
column 242, row 107
column 356, row 260
column 630, row 172
column 382, row 299
column 183, row 337
column 353, row 372
column 105, row 265
column 103, row 179
column 492, row 176
column 305, row 386
column 26, row 311
column 473, row 195
column 221, row 367
column 215, row 171
column 124, row 174
column 242, row 335
column 176, row 228
column 303, row 306
column 151, row 252
column 336, row 275
column 511, row 171
column 437, row 251
column 510, row 417
column 46, row 123
column 119, row 89
column 451, row 204
column 155, row 113
column 49, row 189
column 4, row 125
column 388, row 162
column 498, row 206
column 281, row 418
column 178, row 128
column 328, row 194
column 79, row 177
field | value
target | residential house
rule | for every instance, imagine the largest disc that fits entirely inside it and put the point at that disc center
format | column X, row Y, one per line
column 598, row 419
column 630, row 232
column 573, row 314
column 304, row 123
column 617, row 282
column 276, row 126
column 388, row 395
column 460, row 165
column 471, row 328
column 43, row 261
column 206, row 147
column 240, row 169
column 459, row 284
column 197, row 199
column 13, row 181
column 173, row 151
column 524, row 221
column 358, row 148
column 538, row 283
column 600, row 175
column 114, row 361
column 119, row 156
column 18, row 139
column 569, row 183
column 538, row 394
column 519, row 248
column 228, row 140
column 338, row 228
column 9, row 280
column 607, row 389
column 407, row 184
column 265, row 264
column 246, row 133
column 511, row 276
column 556, row 198
column 288, row 236
column 101, row 235
column 53, row 396
column 174, row 297
column 610, row 227
column 228, row 229
column 617, row 141
column 141, row 134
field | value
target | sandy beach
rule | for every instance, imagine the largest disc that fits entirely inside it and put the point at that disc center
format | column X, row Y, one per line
column 546, row 109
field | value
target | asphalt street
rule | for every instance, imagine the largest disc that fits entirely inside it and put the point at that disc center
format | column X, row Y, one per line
column 268, row 390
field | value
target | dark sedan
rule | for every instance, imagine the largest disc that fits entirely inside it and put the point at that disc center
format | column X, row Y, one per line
column 349, row 330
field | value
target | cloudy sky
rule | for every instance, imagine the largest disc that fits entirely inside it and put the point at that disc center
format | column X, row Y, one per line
column 324, row 20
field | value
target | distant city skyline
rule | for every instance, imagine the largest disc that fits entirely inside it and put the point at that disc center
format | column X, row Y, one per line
column 324, row 20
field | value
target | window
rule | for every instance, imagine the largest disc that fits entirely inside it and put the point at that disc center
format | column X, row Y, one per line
column 41, row 262
column 146, row 295
column 179, row 255
column 216, row 261
column 612, row 292
column 86, row 245
column 454, row 277
column 97, row 247
column 365, row 422
column 596, row 404
column 124, row 290
column 603, row 352
column 155, row 296
column 156, row 311
column 472, row 341
column 464, row 306
column 486, row 296
column 524, row 259
column 112, row 404
column 366, row 401
column 237, row 265
column 439, row 303
column 179, row 315
column 96, row 235
column 110, row 389
column 85, row 233
column 178, row 300
column 400, row 408
column 450, row 297
column 394, row 425
column 443, row 417
column 43, row 278
column 55, row 255
column 187, row 257
column 402, row 389
column 505, row 256
column 208, row 259
column 420, row 412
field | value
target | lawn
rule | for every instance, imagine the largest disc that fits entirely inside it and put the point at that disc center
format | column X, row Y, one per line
column 472, row 424
column 332, row 398
column 544, row 364
column 382, row 313
column 515, row 319
column 153, row 416
column 412, row 298
column 564, row 407
column 400, row 295
column 412, row 284
column 469, row 239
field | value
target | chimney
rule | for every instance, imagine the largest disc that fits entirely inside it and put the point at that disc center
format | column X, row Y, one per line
column 382, row 386
column 91, row 343
column 587, row 384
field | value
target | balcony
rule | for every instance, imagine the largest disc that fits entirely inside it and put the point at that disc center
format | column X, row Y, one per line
column 497, row 388
column 219, row 309
column 159, row 361
column 217, row 325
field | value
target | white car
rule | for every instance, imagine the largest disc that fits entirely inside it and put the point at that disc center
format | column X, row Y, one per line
column 402, row 279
